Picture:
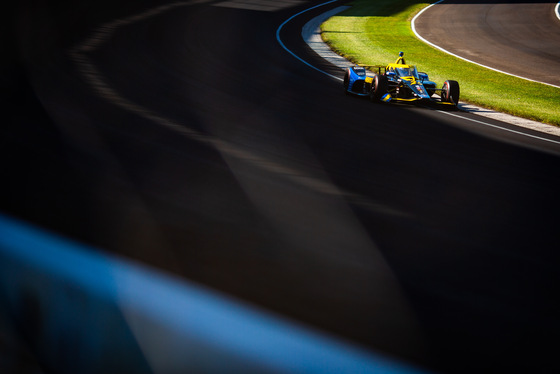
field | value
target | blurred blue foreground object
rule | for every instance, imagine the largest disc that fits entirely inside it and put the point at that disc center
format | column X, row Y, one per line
column 82, row 311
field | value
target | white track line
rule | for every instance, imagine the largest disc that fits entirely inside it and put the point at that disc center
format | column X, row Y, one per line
column 463, row 58
column 499, row 127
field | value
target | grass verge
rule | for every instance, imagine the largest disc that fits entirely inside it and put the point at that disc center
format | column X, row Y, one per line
column 373, row 33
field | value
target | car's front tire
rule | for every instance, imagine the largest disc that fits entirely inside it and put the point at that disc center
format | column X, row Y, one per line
column 450, row 92
column 378, row 87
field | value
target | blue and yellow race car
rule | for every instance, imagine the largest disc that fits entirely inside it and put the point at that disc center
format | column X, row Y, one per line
column 398, row 82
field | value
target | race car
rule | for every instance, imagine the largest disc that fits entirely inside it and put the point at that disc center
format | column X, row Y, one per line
column 398, row 82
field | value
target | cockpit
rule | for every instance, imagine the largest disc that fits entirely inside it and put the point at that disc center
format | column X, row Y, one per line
column 407, row 72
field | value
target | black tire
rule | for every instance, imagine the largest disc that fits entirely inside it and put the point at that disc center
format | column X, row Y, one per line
column 450, row 92
column 346, row 81
column 378, row 87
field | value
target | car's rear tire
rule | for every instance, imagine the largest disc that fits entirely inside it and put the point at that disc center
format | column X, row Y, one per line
column 450, row 92
column 378, row 87
column 346, row 81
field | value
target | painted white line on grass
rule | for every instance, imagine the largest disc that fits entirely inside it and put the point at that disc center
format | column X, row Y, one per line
column 499, row 127
column 412, row 25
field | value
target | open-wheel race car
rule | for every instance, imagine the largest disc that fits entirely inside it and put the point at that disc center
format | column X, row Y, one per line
column 398, row 82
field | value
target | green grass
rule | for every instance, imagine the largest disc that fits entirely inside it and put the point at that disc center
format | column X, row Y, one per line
column 373, row 33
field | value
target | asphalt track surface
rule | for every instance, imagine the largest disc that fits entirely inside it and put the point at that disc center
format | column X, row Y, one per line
column 517, row 37
column 198, row 145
